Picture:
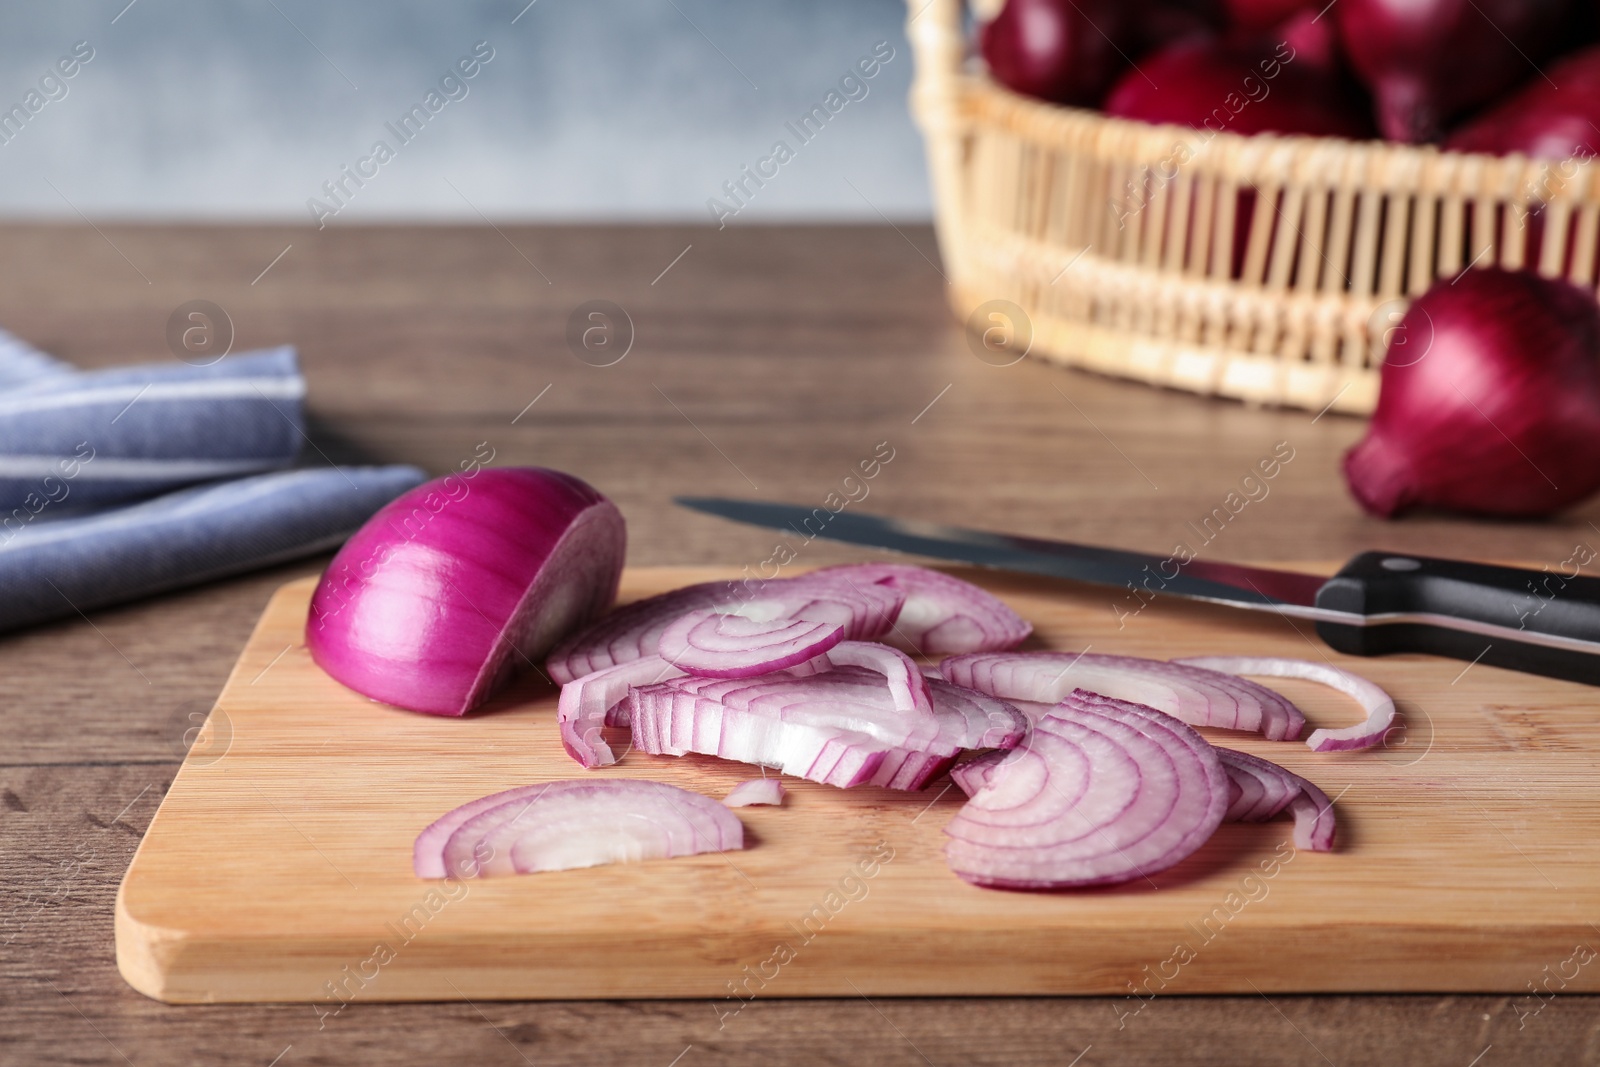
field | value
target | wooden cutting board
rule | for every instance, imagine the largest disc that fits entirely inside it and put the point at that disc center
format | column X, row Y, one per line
column 279, row 864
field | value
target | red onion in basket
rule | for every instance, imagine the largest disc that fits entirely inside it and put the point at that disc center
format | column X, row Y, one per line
column 1102, row 791
column 1258, row 85
column 1489, row 401
column 453, row 586
column 1264, row 14
column 1064, row 51
column 1427, row 61
column 556, row 826
column 1551, row 117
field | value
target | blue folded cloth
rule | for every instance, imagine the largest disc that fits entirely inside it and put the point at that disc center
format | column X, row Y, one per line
column 55, row 563
column 111, row 436
column 21, row 363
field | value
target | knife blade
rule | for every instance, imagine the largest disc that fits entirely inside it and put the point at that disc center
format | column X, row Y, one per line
column 1541, row 622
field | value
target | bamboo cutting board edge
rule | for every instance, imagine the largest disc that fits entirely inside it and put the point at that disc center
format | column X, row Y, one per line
column 187, row 932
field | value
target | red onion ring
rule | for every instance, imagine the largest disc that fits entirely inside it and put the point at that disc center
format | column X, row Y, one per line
column 843, row 727
column 1185, row 689
column 593, row 701
column 561, row 825
column 755, row 791
column 1374, row 701
column 718, row 645
column 1275, row 789
column 942, row 615
column 1102, row 791
column 864, row 611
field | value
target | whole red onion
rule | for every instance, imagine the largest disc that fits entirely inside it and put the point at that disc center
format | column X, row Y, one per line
column 1064, row 51
column 1553, row 117
column 1243, row 86
column 1427, row 61
column 1489, row 402
column 1264, row 14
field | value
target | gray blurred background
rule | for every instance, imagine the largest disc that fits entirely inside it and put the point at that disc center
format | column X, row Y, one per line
column 620, row 109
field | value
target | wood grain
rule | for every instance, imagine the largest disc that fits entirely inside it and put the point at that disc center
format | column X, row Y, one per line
column 792, row 349
column 278, row 867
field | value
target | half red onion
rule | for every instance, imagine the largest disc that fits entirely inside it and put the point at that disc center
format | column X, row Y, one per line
column 755, row 791
column 1102, row 791
column 941, row 615
column 561, row 825
column 1374, row 701
column 600, row 699
column 1261, row 789
column 864, row 610
column 718, row 645
column 453, row 586
column 1185, row 690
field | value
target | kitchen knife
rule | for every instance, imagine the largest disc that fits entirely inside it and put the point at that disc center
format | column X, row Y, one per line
column 1541, row 622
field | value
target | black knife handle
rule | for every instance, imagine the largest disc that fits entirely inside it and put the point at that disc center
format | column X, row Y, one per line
column 1520, row 604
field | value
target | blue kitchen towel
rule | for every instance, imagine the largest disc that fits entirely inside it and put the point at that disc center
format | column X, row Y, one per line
column 56, row 567
column 127, row 433
column 22, row 364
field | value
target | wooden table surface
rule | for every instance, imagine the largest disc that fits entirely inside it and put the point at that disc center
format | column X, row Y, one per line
column 766, row 362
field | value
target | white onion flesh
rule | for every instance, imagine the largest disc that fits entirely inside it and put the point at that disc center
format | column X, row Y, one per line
column 592, row 701
column 1378, row 705
column 720, row 645
column 1262, row 790
column 842, row 727
column 561, row 825
column 942, row 615
column 1186, row 690
column 1102, row 791
column 865, row 611
column 755, row 791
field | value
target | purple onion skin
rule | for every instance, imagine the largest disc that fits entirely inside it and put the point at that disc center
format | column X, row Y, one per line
column 1191, row 83
column 455, row 585
column 1264, row 14
column 1428, row 61
column 1495, row 410
column 1553, row 117
column 1063, row 51
column 1556, row 117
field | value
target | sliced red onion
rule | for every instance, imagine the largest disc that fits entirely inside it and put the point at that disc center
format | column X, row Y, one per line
column 844, row 727
column 973, row 774
column 942, row 615
column 755, row 791
column 593, row 701
column 864, row 611
column 1102, row 791
column 1275, row 789
column 719, row 645
column 967, row 720
column 1185, row 690
column 907, row 684
column 455, row 585
column 1374, row 701
column 561, row 825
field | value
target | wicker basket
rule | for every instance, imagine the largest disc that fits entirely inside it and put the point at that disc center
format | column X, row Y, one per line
column 1116, row 238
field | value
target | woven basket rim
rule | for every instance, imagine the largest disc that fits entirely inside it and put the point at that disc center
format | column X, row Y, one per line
column 994, row 100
